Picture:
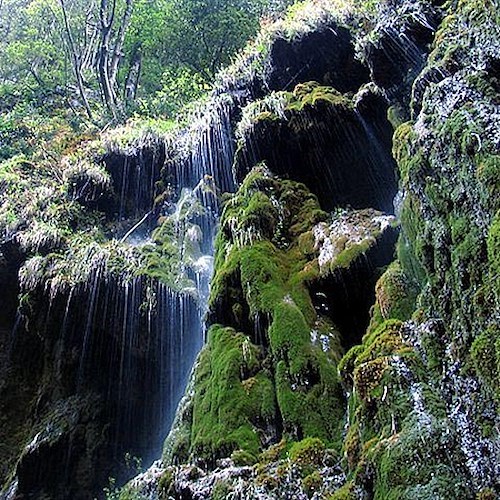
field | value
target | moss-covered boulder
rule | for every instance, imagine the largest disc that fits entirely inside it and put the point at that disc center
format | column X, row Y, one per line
column 269, row 369
column 312, row 135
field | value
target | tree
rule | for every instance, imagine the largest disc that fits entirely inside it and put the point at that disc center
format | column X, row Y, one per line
column 110, row 50
column 78, row 57
column 121, row 53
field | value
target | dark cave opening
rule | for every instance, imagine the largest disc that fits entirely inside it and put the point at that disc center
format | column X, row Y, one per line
column 326, row 56
column 347, row 295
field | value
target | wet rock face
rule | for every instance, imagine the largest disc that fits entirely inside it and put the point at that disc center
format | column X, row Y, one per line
column 134, row 174
column 410, row 410
column 59, row 460
column 342, row 154
column 396, row 49
column 9, row 265
column 326, row 56
column 347, row 294
column 97, row 372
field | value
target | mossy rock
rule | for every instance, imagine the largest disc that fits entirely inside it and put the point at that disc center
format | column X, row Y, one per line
column 222, row 490
column 259, row 287
column 166, row 487
column 346, row 492
column 485, row 354
column 313, row 94
column 225, row 407
column 396, row 295
column 494, row 254
column 414, row 464
column 312, row 483
column 307, row 452
column 488, row 173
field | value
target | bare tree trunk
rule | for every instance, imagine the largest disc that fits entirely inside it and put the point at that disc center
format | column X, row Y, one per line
column 91, row 40
column 134, row 73
column 75, row 60
column 109, row 56
column 120, row 39
column 106, row 19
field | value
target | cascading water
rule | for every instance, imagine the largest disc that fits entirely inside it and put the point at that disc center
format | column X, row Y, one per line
column 200, row 168
column 117, row 325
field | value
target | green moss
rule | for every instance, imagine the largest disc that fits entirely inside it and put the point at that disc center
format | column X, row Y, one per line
column 402, row 147
column 289, row 335
column 411, row 248
column 411, row 161
column 346, row 492
column 313, row 94
column 384, row 341
column 352, row 447
column 460, row 131
column 465, row 236
column 243, row 458
column 312, row 483
column 274, row 453
column 166, row 484
column 486, row 494
column 222, row 490
column 493, row 245
column 347, row 257
column 400, row 471
column 434, row 351
column 486, row 357
column 231, row 392
column 488, row 173
column 172, row 251
column 309, row 451
column 347, row 363
column 263, row 273
column 396, row 116
column 396, row 296
column 281, row 106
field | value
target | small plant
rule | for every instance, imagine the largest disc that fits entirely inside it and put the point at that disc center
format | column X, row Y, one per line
column 309, row 451
column 221, row 491
column 312, row 483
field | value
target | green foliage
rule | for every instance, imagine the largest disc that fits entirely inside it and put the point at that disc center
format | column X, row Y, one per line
column 180, row 46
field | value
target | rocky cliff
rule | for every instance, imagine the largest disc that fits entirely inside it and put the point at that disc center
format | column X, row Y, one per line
column 353, row 344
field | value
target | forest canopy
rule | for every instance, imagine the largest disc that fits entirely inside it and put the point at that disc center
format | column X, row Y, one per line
column 111, row 59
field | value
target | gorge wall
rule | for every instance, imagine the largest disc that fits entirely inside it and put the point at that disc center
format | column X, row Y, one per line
column 353, row 344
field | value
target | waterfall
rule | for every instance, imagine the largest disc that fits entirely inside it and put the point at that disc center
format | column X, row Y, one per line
column 115, row 325
column 199, row 161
